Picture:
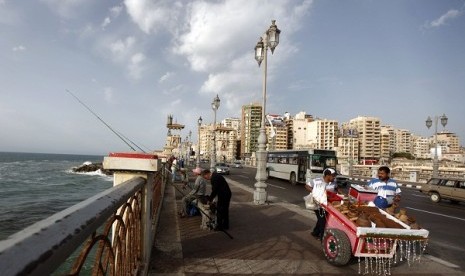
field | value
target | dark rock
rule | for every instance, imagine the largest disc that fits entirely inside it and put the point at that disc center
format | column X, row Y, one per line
column 91, row 167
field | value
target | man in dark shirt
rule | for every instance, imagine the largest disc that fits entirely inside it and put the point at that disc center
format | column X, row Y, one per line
column 220, row 189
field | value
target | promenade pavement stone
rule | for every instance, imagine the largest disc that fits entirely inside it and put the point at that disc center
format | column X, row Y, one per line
column 267, row 239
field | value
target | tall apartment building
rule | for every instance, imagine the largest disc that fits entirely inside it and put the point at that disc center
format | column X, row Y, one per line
column 300, row 134
column 385, row 147
column 403, row 140
column 234, row 123
column 250, row 128
column 225, row 142
column 322, row 134
column 289, row 121
column 206, row 141
column 277, row 138
column 347, row 150
column 421, row 147
column 449, row 142
column 369, row 133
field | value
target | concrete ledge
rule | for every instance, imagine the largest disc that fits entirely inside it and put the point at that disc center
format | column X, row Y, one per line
column 132, row 162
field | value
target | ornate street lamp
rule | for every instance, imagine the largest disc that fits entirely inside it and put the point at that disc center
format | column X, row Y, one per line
column 215, row 106
column 429, row 123
column 199, row 123
column 270, row 39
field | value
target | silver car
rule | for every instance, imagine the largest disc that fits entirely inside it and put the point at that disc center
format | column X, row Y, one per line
column 222, row 168
column 237, row 164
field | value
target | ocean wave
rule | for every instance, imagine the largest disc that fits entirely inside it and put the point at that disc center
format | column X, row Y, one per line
column 93, row 173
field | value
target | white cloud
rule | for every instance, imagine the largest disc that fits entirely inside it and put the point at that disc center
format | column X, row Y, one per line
column 135, row 65
column 122, row 48
column 114, row 13
column 152, row 16
column 443, row 19
column 173, row 90
column 66, row 8
column 219, row 32
column 19, row 48
column 165, row 77
column 105, row 22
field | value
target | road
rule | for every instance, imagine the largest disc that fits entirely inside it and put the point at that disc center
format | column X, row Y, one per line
column 445, row 221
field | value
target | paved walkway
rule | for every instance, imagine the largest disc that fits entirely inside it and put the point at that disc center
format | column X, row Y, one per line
column 269, row 239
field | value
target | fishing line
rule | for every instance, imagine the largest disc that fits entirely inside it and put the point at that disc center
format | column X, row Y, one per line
column 101, row 120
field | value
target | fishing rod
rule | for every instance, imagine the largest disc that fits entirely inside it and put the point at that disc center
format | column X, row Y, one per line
column 131, row 141
column 201, row 211
column 101, row 120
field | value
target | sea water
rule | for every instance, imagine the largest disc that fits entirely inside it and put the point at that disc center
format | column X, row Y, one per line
column 34, row 186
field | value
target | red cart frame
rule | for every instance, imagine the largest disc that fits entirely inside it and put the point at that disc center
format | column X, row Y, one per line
column 344, row 239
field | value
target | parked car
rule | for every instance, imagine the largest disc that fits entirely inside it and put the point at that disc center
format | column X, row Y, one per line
column 445, row 188
column 237, row 164
column 341, row 180
column 222, row 168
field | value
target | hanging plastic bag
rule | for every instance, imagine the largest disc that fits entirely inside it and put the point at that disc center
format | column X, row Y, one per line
column 319, row 192
column 310, row 203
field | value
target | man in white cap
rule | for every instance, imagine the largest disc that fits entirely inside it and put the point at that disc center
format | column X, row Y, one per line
column 198, row 191
column 329, row 175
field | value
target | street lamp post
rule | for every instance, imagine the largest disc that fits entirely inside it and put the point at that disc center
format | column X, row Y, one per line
column 199, row 123
column 429, row 123
column 215, row 106
column 270, row 39
column 187, row 151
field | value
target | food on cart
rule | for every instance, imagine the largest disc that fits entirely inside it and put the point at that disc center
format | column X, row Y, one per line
column 357, row 228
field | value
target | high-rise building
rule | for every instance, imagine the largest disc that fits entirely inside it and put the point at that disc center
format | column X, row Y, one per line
column 449, row 142
column 403, row 140
column 369, row 133
column 250, row 128
column 421, row 147
column 234, row 123
column 277, row 137
column 300, row 133
column 225, row 142
column 322, row 134
column 289, row 121
column 386, row 148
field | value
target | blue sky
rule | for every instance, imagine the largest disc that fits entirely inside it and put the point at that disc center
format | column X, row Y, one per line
column 136, row 61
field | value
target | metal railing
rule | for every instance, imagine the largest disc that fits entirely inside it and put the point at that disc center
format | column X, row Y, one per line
column 112, row 231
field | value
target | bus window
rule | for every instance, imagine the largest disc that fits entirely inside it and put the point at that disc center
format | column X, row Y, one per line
column 330, row 162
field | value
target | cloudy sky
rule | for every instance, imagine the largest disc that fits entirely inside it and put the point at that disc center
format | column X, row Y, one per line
column 133, row 62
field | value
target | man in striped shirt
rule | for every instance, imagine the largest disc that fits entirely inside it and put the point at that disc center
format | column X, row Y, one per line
column 388, row 190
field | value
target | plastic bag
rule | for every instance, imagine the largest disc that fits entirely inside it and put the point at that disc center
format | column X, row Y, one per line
column 310, row 203
column 192, row 210
column 319, row 193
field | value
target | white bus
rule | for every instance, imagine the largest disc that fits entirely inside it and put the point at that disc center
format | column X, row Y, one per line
column 299, row 165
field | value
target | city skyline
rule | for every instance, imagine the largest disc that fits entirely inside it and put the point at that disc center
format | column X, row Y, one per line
column 135, row 62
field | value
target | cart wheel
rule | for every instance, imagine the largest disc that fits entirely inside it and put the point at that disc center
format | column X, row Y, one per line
column 336, row 246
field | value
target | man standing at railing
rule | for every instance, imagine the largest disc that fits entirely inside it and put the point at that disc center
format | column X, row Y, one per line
column 388, row 190
column 220, row 189
column 174, row 167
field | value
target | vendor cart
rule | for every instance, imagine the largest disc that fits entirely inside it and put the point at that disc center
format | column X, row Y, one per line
column 359, row 193
column 343, row 238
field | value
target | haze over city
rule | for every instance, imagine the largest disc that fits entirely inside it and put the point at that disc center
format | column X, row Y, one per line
column 134, row 62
